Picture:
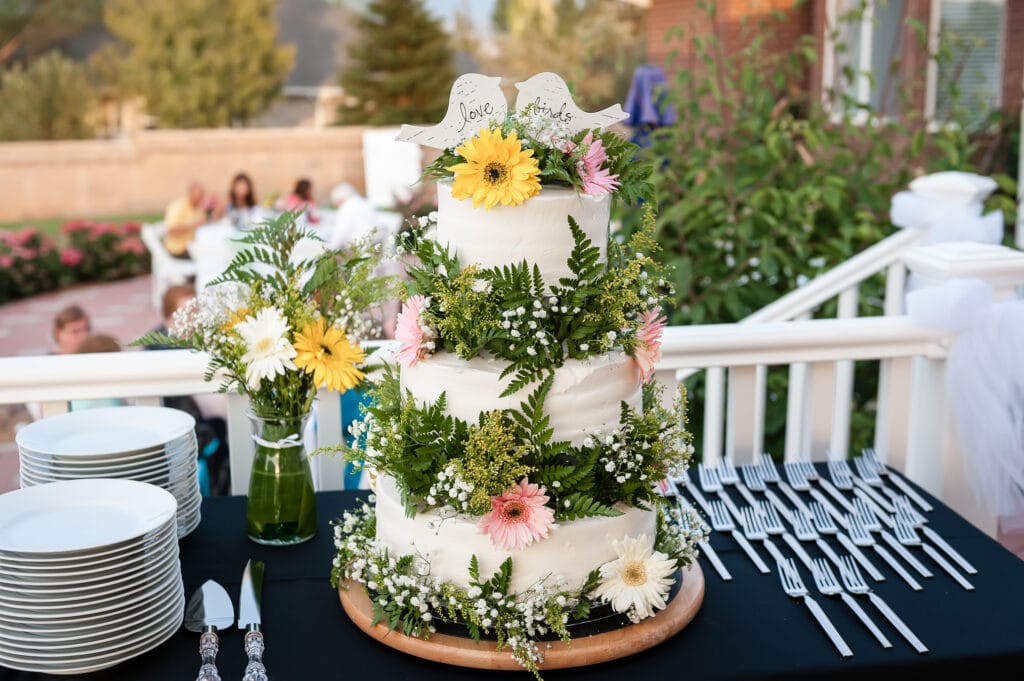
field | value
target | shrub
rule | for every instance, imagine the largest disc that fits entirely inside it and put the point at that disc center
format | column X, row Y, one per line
column 33, row 263
column 761, row 187
column 50, row 99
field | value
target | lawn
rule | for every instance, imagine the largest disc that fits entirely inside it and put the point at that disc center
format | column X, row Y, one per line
column 52, row 226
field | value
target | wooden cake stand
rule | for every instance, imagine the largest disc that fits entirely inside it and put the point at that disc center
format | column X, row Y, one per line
column 465, row 652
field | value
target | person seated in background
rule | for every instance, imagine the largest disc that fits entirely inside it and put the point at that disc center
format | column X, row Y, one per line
column 241, row 203
column 354, row 216
column 209, row 410
column 174, row 298
column 301, row 200
column 70, row 326
column 97, row 342
column 184, row 216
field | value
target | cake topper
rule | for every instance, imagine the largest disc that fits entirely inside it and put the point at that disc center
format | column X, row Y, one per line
column 477, row 100
column 549, row 95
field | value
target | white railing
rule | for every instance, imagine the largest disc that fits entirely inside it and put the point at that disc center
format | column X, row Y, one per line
column 735, row 397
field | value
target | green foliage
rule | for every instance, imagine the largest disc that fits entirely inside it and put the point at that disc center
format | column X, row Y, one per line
column 513, row 314
column 400, row 67
column 49, row 99
column 761, row 187
column 200, row 63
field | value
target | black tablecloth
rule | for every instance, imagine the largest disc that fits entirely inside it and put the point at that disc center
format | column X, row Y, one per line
column 745, row 629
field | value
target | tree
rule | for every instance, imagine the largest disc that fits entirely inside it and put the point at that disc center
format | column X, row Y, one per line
column 29, row 28
column 200, row 63
column 594, row 45
column 400, row 68
column 49, row 99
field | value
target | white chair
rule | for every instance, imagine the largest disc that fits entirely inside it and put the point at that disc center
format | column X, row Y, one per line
column 166, row 270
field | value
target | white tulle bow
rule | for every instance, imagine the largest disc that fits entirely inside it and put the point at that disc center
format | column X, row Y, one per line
column 985, row 383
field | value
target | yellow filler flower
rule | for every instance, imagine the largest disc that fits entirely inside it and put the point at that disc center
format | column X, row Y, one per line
column 497, row 170
column 327, row 354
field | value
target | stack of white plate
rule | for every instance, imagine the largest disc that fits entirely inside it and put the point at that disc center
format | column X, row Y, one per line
column 149, row 444
column 89, row 574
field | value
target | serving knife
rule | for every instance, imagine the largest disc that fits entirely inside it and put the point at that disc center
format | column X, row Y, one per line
column 249, row 620
column 209, row 610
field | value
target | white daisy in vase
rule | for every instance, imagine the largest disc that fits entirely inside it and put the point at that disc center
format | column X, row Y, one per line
column 268, row 352
column 639, row 580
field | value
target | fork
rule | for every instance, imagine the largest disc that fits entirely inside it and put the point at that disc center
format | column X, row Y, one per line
column 828, row 585
column 722, row 522
column 840, row 473
column 727, row 472
column 907, row 535
column 754, row 530
column 795, row 475
column 906, row 512
column 855, row 584
column 705, row 546
column 794, row 587
column 871, row 456
column 769, row 471
column 892, row 541
column 867, row 472
column 862, row 537
column 708, row 477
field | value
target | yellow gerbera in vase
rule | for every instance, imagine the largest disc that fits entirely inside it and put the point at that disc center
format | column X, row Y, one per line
column 497, row 170
column 328, row 355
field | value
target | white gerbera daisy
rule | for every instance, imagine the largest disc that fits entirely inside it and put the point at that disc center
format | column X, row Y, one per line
column 639, row 580
column 268, row 351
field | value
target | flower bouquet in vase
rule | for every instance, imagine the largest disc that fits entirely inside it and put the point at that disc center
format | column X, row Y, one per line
column 284, row 320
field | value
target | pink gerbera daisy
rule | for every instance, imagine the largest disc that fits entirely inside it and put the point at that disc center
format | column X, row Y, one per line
column 519, row 517
column 597, row 180
column 412, row 333
column 648, row 346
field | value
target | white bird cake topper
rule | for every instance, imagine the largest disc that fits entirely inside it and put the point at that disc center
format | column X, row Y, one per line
column 477, row 101
column 549, row 95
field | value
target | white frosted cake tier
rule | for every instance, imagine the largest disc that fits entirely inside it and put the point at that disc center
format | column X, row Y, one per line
column 585, row 396
column 572, row 549
column 536, row 231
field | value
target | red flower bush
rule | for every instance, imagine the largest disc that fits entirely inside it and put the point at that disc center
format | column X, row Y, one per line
column 31, row 263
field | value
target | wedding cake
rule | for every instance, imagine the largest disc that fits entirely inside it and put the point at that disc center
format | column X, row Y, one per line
column 518, row 439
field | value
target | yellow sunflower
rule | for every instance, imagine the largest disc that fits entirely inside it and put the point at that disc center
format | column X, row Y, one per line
column 327, row 354
column 234, row 317
column 497, row 170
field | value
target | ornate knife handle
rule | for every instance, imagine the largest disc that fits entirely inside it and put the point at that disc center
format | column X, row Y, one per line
column 209, row 645
column 254, row 670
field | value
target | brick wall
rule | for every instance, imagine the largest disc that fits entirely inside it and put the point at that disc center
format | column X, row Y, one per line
column 672, row 24
column 1013, row 55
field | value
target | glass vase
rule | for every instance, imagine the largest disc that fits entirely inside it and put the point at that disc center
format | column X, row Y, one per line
column 281, row 508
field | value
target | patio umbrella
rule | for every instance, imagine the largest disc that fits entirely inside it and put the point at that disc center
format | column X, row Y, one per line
column 647, row 103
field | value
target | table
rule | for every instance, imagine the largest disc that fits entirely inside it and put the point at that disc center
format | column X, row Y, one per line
column 746, row 629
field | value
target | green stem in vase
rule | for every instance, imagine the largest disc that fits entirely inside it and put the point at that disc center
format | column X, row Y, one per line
column 281, row 508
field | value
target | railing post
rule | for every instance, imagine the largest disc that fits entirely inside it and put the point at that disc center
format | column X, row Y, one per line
column 933, row 457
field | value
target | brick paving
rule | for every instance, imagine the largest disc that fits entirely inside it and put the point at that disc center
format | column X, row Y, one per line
column 121, row 309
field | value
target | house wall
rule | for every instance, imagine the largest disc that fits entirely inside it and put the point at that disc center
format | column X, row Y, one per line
column 802, row 18
column 732, row 23
column 143, row 173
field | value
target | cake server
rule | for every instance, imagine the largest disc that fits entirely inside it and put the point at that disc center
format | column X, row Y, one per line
column 209, row 610
column 249, row 620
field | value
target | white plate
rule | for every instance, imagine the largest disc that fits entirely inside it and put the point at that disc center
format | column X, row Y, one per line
column 109, row 556
column 135, row 619
column 159, row 476
column 88, row 588
column 16, row 577
column 133, row 647
column 38, row 639
column 106, row 430
column 167, row 457
column 71, row 517
column 17, row 605
column 135, row 607
column 180, row 444
column 155, row 468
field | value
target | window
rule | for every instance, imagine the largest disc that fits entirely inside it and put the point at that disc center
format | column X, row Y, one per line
column 976, row 28
column 865, row 39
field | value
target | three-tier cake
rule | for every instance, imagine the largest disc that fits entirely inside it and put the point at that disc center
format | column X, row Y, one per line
column 518, row 438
